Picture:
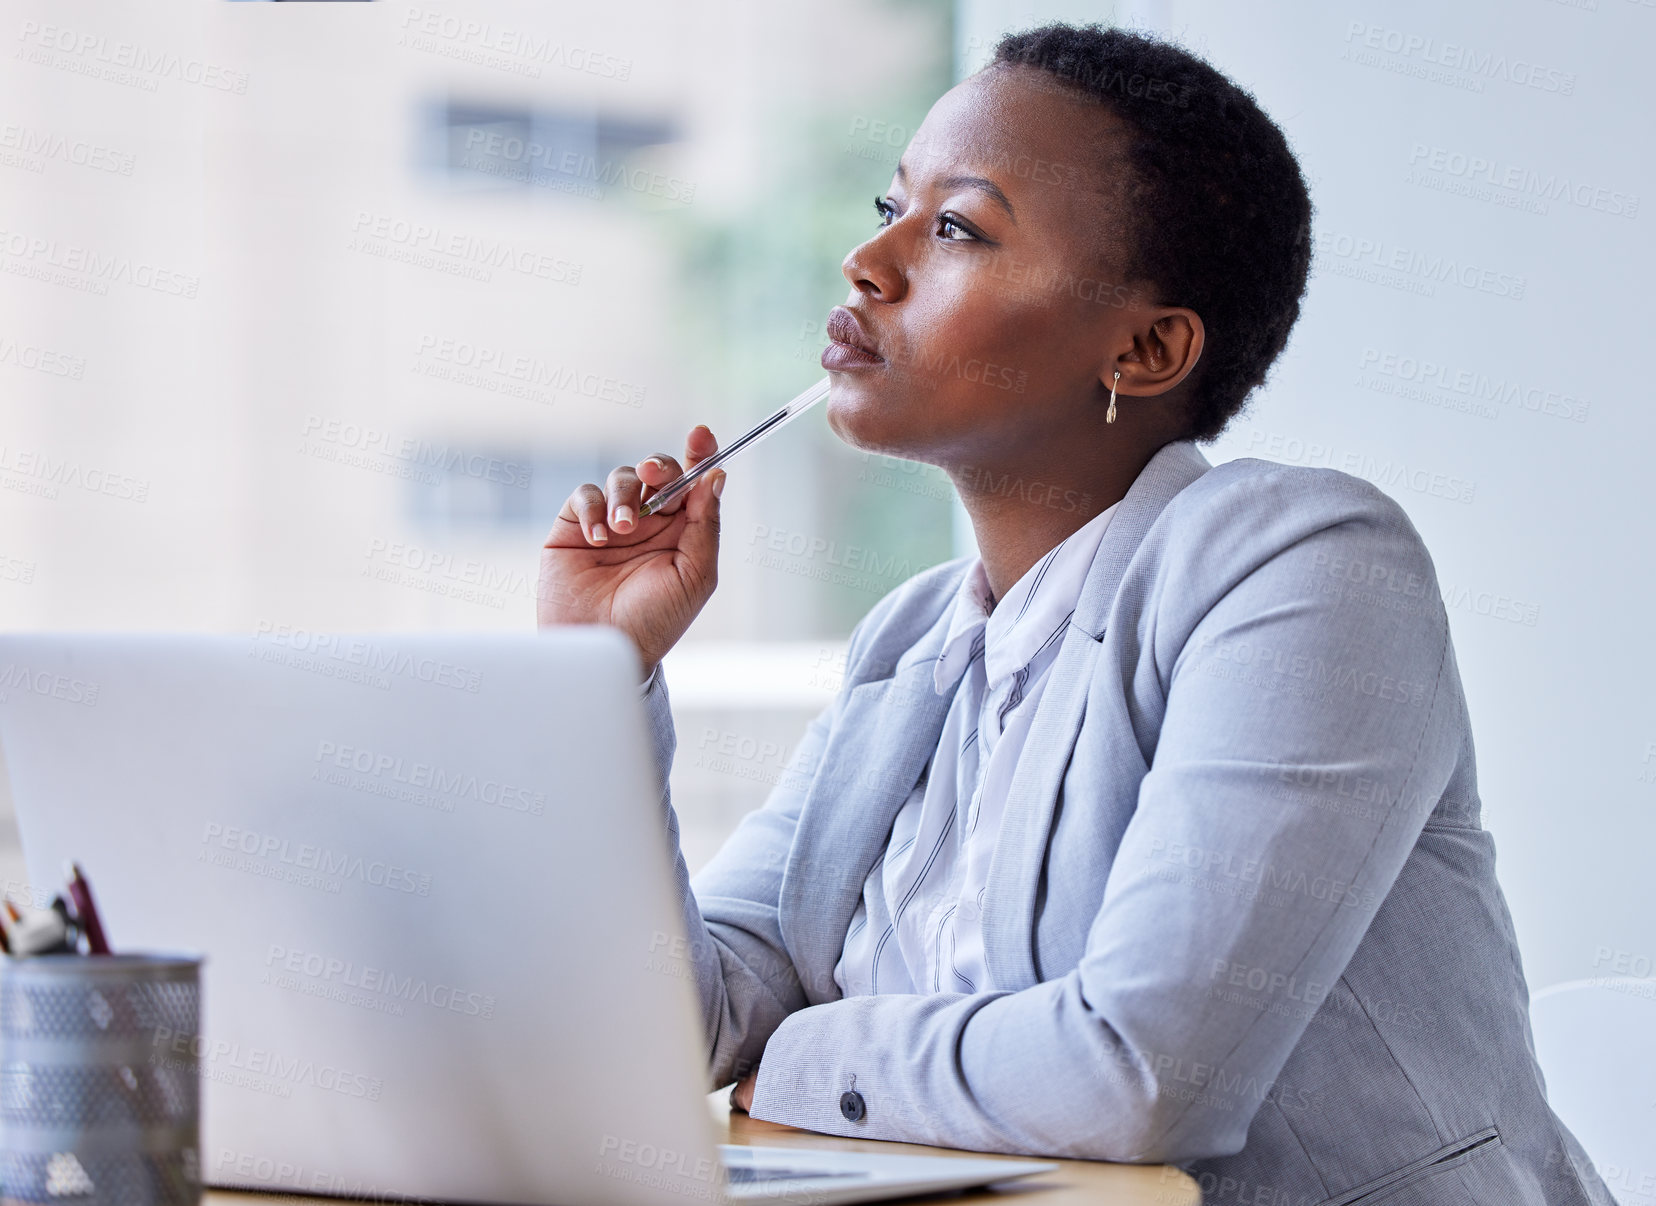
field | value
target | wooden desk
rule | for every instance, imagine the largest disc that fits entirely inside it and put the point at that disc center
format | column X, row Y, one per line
column 1075, row 1183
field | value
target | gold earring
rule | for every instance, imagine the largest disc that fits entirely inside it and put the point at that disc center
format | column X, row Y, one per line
column 1109, row 415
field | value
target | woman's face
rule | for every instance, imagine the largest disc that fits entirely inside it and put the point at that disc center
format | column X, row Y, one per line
column 986, row 293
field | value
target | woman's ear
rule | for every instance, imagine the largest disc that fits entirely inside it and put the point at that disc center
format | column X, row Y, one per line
column 1167, row 343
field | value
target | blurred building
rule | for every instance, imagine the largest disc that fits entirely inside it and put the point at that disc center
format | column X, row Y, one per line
column 316, row 315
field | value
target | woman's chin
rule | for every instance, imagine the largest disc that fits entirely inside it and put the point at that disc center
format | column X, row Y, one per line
column 870, row 426
column 854, row 422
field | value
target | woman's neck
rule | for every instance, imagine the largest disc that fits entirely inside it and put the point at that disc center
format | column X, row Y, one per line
column 1018, row 516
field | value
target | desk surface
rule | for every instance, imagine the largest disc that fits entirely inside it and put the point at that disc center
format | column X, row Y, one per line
column 1074, row 1183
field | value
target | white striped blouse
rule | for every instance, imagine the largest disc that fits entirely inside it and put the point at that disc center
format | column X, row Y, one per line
column 918, row 928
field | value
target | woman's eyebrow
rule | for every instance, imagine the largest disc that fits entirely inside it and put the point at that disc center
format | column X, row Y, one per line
column 982, row 184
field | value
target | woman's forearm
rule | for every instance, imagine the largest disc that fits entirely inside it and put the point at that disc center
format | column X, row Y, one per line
column 734, row 951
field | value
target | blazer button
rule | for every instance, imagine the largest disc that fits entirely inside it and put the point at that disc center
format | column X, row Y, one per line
column 851, row 1105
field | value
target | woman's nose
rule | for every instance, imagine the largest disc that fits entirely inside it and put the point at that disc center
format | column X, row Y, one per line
column 872, row 272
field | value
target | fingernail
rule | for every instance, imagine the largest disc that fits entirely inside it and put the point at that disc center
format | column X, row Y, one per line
column 656, row 461
column 718, row 483
column 623, row 514
column 598, row 532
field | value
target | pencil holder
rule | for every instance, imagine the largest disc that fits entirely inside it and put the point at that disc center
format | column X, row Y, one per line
column 100, row 1082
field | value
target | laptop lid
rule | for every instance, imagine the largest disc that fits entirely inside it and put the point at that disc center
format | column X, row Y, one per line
column 430, row 876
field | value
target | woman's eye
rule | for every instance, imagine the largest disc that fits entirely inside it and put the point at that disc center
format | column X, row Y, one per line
column 947, row 227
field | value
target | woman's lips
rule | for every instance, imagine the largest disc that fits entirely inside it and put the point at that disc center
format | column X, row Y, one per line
column 851, row 346
column 846, row 356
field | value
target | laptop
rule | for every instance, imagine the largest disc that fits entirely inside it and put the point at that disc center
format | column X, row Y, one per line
column 444, row 954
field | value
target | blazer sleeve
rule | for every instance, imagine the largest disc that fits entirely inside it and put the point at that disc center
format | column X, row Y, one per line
column 745, row 978
column 1267, row 680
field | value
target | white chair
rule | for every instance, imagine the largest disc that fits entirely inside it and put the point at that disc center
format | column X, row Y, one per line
column 1596, row 1042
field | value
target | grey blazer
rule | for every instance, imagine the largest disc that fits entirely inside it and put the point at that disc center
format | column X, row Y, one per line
column 1241, row 915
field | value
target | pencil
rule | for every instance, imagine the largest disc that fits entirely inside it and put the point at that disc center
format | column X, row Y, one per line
column 80, row 892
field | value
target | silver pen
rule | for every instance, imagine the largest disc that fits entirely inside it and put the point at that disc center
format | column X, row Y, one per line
column 680, row 486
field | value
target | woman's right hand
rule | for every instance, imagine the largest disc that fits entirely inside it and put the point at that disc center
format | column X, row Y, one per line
column 648, row 577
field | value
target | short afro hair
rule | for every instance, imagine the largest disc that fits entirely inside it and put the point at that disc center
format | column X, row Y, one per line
column 1218, row 216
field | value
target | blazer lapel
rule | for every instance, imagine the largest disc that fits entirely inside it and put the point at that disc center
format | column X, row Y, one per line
column 887, row 731
column 1020, row 848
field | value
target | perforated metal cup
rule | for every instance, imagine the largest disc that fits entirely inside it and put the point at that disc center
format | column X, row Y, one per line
column 100, row 1080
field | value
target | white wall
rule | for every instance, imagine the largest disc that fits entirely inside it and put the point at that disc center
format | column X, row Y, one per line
column 1524, row 458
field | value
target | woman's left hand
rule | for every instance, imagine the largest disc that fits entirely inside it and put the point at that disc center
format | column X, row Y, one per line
column 741, row 1097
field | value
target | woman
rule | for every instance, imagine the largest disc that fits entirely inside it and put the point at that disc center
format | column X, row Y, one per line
column 1152, row 833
